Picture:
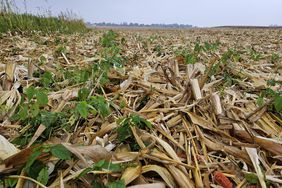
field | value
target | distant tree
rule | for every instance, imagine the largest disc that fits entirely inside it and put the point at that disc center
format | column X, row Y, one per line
column 155, row 25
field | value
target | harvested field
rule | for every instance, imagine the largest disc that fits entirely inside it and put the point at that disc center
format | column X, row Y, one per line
column 167, row 108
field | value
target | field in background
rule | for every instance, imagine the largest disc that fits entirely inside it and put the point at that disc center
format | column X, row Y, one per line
column 122, row 107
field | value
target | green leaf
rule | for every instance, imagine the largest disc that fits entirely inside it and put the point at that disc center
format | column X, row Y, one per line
column 123, row 132
column 278, row 103
column 32, row 158
column 101, row 105
column 140, row 122
column 274, row 82
column 23, row 112
column 252, row 178
column 49, row 119
column 30, row 92
column 46, row 79
column 84, row 75
column 83, row 94
column 136, row 119
column 197, row 48
column 82, row 109
column 10, row 182
column 99, row 165
column 97, row 185
column 35, row 169
column 271, row 82
column 108, row 39
column 112, row 167
column 72, row 120
column 274, row 57
column 270, row 92
column 84, row 172
column 260, row 101
column 104, row 79
column 46, row 149
column 60, row 152
column 117, row 184
column 42, row 98
column 43, row 176
column 42, row 60
column 190, row 59
column 93, row 111
column 147, row 123
column 107, row 165
column 60, row 49
column 122, row 104
column 34, row 110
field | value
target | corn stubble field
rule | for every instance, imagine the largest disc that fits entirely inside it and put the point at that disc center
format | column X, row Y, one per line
column 141, row 108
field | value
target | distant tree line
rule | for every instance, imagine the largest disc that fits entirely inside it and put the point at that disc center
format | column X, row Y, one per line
column 125, row 24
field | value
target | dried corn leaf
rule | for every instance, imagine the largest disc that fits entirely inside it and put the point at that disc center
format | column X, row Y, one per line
column 163, row 172
column 130, row 174
column 255, row 160
column 6, row 148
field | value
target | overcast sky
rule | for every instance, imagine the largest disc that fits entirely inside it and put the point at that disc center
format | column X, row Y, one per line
column 195, row 12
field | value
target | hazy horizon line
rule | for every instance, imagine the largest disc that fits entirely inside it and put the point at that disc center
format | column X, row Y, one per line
column 185, row 24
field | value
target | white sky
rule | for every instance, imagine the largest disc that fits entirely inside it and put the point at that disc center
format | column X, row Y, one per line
column 195, row 12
